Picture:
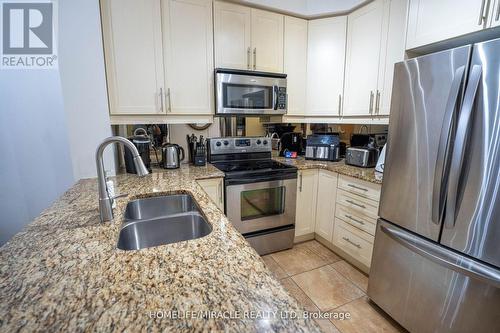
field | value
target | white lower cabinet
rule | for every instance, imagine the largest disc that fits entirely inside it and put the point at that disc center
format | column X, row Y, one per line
column 356, row 218
column 307, row 192
column 341, row 211
column 214, row 187
column 325, row 206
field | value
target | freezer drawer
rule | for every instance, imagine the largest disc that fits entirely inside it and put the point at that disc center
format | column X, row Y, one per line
column 426, row 295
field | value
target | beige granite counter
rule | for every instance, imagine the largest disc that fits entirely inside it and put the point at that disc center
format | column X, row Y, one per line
column 368, row 174
column 64, row 273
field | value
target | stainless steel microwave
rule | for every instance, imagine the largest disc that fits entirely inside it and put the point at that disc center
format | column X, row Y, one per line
column 250, row 93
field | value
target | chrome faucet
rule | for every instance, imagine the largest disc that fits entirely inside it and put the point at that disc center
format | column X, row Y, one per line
column 105, row 201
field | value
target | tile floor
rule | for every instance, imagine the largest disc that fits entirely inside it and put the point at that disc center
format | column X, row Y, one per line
column 321, row 281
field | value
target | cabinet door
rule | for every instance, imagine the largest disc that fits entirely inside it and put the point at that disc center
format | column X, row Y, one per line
column 430, row 21
column 267, row 41
column 392, row 51
column 325, row 66
column 295, row 64
column 325, row 207
column 364, row 36
column 188, row 52
column 495, row 14
column 232, row 36
column 133, row 54
column 215, row 190
column 307, row 186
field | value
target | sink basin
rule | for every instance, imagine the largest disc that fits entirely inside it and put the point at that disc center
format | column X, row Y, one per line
column 154, row 207
column 165, row 230
column 161, row 220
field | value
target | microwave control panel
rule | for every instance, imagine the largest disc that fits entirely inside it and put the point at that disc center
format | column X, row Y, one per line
column 282, row 98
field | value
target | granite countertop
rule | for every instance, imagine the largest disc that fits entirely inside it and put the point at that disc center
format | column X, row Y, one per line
column 63, row 272
column 367, row 174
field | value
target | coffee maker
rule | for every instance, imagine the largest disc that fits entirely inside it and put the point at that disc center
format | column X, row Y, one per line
column 141, row 140
column 292, row 142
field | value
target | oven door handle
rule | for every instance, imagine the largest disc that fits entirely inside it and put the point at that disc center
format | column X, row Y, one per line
column 241, row 181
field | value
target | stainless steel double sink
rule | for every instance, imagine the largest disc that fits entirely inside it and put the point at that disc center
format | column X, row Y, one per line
column 161, row 220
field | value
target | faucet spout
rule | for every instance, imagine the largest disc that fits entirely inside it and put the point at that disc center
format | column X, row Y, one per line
column 105, row 201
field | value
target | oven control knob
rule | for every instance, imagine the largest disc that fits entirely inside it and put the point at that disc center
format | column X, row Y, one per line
column 226, row 143
column 265, row 142
column 259, row 142
column 218, row 144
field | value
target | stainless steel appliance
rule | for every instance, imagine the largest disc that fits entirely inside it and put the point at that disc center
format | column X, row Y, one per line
column 323, row 147
column 365, row 157
column 260, row 193
column 250, row 93
column 172, row 155
column 436, row 257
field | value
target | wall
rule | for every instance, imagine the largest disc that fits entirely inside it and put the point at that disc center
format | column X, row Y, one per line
column 81, row 65
column 51, row 121
column 35, row 167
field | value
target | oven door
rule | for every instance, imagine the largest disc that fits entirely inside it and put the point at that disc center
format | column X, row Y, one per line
column 262, row 205
column 249, row 94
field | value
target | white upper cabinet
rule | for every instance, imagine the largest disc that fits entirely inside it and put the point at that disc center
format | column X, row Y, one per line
column 232, row 36
column 495, row 14
column 295, row 64
column 431, row 21
column 247, row 38
column 267, row 41
column 188, row 56
column 325, row 66
column 364, row 37
column 133, row 54
column 392, row 51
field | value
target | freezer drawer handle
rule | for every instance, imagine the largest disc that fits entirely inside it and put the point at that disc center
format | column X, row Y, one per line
column 356, row 204
column 444, row 257
column 351, row 242
column 357, row 187
column 459, row 148
column 441, row 171
column 355, row 220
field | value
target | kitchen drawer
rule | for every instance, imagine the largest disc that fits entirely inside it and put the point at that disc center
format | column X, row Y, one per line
column 357, row 204
column 359, row 187
column 354, row 242
column 363, row 222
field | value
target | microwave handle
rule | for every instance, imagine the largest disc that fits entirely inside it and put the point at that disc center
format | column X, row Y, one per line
column 275, row 97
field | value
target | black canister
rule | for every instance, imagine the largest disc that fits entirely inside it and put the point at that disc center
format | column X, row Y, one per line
column 143, row 144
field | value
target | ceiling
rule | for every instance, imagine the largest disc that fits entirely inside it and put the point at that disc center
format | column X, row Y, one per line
column 307, row 8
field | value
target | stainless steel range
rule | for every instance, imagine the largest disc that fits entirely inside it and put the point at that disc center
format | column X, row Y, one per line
column 260, row 193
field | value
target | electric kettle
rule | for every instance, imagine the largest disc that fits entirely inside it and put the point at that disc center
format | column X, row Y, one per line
column 172, row 155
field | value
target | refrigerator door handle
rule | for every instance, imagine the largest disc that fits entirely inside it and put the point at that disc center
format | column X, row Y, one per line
column 459, row 148
column 444, row 257
column 442, row 164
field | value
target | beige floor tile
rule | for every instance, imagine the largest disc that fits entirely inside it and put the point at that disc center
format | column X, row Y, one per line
column 320, row 250
column 326, row 326
column 365, row 318
column 299, row 295
column 327, row 287
column 273, row 266
column 298, row 260
column 352, row 274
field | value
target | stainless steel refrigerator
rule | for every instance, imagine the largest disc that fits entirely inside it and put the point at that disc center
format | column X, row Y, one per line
column 436, row 257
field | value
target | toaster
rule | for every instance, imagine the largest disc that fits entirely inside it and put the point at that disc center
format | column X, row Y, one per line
column 364, row 157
